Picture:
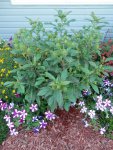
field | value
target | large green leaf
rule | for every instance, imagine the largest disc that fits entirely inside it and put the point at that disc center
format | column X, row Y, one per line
column 95, row 88
column 43, row 91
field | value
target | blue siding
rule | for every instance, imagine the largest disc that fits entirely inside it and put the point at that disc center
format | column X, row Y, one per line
column 14, row 17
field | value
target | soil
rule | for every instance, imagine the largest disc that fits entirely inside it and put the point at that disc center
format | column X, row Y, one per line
column 67, row 132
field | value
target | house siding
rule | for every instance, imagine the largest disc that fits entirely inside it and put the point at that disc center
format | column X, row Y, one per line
column 12, row 18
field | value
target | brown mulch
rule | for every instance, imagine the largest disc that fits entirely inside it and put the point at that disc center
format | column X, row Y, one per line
column 66, row 133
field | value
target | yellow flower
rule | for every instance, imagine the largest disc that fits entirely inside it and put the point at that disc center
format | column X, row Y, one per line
column 2, row 60
column 3, row 91
column 13, row 91
column 2, row 83
column 6, row 97
column 7, row 48
column 9, row 71
column 3, row 70
column 15, row 66
column 7, row 75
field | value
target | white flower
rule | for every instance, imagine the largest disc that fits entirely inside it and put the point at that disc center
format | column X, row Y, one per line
column 81, row 103
column 102, row 130
column 13, row 132
column 7, row 118
column 86, row 124
column 91, row 113
column 11, row 105
column 83, row 110
column 107, row 102
column 10, row 125
column 100, row 106
column 99, row 98
column 111, row 110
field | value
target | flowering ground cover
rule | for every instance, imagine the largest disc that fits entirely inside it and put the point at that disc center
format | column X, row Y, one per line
column 66, row 133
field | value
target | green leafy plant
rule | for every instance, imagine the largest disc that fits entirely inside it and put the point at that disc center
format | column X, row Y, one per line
column 54, row 65
column 6, row 65
column 3, row 128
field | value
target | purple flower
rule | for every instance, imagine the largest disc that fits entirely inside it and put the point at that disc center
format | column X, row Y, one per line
column 10, row 125
column 22, row 120
column 10, row 41
column 43, row 124
column 40, row 117
column 36, row 129
column 34, row 119
column 17, row 95
column 3, row 106
column 1, row 101
column 23, row 114
column 13, row 132
column 49, row 115
column 85, row 93
column 106, row 82
column 33, row 107
column 16, row 113
column 7, row 118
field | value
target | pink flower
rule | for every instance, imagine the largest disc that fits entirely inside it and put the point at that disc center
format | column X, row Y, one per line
column 16, row 113
column 10, row 125
column 22, row 120
column 7, row 118
column 23, row 114
column 107, row 103
column 13, row 132
column 17, row 95
column 3, row 106
column 33, row 107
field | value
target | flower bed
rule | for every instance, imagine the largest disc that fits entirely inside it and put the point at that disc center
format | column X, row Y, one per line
column 56, row 69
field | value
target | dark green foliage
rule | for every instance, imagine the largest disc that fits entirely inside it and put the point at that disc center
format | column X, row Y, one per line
column 54, row 65
column 3, row 128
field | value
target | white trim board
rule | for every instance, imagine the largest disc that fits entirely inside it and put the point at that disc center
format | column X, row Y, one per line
column 62, row 2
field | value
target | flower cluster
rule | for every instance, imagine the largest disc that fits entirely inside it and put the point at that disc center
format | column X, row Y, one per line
column 16, row 116
column 100, row 108
column 6, row 65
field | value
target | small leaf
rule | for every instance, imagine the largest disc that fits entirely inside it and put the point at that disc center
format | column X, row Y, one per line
column 43, row 91
column 67, row 106
column 95, row 88
column 49, row 75
column 64, row 74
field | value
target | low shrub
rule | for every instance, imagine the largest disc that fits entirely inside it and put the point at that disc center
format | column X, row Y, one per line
column 55, row 66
